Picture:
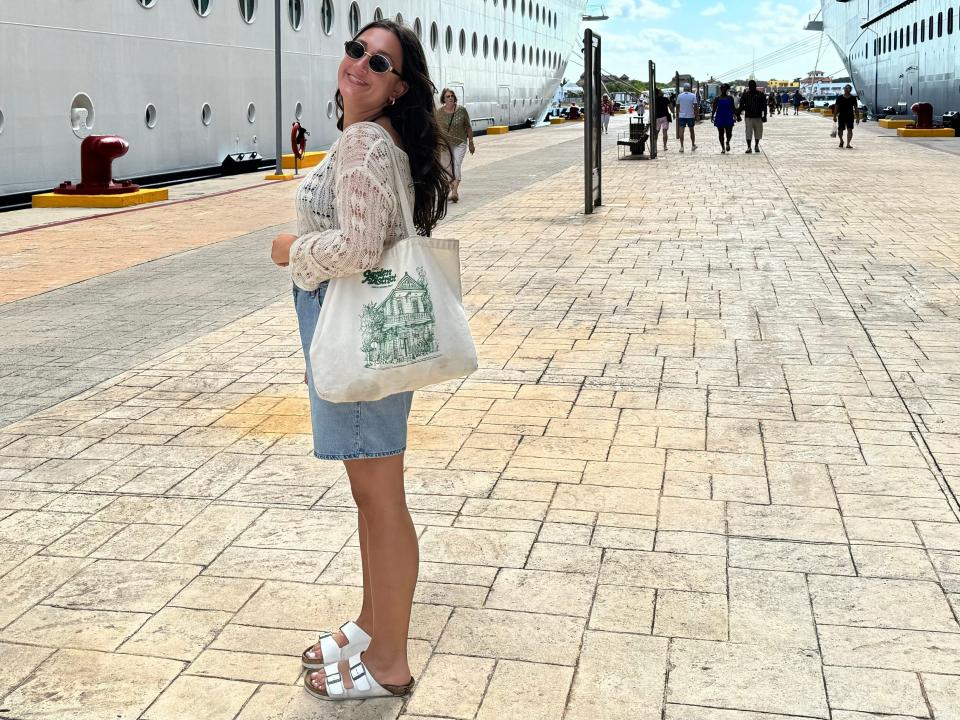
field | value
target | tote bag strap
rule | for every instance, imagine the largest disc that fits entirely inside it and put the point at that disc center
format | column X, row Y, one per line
column 410, row 230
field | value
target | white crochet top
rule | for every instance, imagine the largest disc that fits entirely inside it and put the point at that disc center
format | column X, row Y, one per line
column 348, row 209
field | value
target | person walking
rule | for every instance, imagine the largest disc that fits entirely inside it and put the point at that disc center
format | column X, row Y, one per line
column 797, row 99
column 661, row 110
column 724, row 116
column 687, row 107
column 454, row 121
column 753, row 108
column 845, row 111
column 348, row 212
column 606, row 110
column 772, row 103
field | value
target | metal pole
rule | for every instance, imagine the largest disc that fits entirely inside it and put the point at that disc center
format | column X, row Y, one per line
column 588, row 121
column 277, row 82
column 652, row 107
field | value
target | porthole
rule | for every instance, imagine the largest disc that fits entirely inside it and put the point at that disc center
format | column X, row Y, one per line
column 1, row 121
column 147, row 3
column 514, row 52
column 486, row 46
column 330, row 109
column 474, row 44
column 354, row 19
column 202, row 7
column 251, row 113
column 248, row 10
column 523, row 54
column 206, row 114
column 513, row 5
column 463, row 41
column 298, row 111
column 295, row 9
column 326, row 17
column 82, row 115
column 377, row 15
column 449, row 39
column 434, row 36
column 496, row 48
column 418, row 29
column 523, row 7
column 399, row 19
column 150, row 116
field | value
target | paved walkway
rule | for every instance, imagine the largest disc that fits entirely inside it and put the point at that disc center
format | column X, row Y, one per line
column 706, row 471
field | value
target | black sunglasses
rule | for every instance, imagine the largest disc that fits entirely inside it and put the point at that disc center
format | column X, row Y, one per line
column 379, row 63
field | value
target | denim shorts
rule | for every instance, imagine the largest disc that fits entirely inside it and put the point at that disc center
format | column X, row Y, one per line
column 353, row 430
column 688, row 122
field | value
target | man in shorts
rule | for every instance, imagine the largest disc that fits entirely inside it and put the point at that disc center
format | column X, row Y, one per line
column 845, row 113
column 687, row 107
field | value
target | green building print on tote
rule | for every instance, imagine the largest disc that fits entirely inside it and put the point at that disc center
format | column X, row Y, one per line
column 401, row 329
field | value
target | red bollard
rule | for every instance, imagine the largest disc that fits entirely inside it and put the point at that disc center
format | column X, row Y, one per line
column 97, row 153
column 924, row 113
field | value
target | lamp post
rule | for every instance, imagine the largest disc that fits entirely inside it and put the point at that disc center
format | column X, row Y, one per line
column 277, row 88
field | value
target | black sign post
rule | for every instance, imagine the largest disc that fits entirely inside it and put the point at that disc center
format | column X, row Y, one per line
column 652, row 106
column 591, row 130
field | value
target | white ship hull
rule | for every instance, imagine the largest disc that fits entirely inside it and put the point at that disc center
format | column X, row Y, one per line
column 890, row 68
column 127, row 58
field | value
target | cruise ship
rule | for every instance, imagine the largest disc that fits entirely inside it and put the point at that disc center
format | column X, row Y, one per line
column 898, row 52
column 189, row 82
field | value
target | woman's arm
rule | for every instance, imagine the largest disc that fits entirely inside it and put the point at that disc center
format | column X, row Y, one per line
column 468, row 126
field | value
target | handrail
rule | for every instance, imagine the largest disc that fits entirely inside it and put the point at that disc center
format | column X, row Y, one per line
column 488, row 119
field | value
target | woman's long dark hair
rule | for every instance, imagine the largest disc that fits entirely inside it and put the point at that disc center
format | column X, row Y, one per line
column 413, row 118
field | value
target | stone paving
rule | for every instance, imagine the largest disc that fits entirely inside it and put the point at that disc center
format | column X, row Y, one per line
column 705, row 472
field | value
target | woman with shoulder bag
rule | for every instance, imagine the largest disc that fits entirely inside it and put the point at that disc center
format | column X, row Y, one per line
column 350, row 209
column 454, row 121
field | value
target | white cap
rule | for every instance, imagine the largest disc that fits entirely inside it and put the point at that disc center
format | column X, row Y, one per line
column 686, row 86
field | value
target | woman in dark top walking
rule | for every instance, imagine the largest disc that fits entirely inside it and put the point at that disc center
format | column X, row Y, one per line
column 724, row 115
column 661, row 112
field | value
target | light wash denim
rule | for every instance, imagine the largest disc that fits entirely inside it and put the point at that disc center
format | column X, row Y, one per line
column 352, row 430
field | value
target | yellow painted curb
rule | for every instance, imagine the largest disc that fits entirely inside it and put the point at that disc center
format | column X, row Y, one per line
column 309, row 159
column 557, row 121
column 282, row 176
column 498, row 130
column 893, row 124
column 930, row 132
column 141, row 196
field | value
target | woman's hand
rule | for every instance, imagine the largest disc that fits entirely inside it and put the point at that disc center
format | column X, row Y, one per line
column 280, row 252
column 471, row 147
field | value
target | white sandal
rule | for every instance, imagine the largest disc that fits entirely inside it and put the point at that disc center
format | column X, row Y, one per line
column 331, row 652
column 364, row 684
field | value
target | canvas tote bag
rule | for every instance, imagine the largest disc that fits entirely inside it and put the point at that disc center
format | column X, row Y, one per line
column 398, row 327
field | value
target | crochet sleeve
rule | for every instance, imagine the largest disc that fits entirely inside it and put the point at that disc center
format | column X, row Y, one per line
column 365, row 206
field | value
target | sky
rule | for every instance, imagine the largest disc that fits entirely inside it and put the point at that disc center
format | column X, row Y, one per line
column 709, row 37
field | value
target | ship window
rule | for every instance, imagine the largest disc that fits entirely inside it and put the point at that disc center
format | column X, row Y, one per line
column 530, row 10
column 523, row 54
column 377, row 15
column 147, row 3
column 326, row 16
column 295, row 8
column 434, row 36
column 496, row 48
column 418, row 29
column 940, row 24
column 514, row 52
column 399, row 19
column 514, row 5
column 523, row 7
column 930, row 28
column 463, row 41
column 248, row 10
column 950, row 21
column 206, row 114
column 486, row 46
column 354, row 19
column 330, row 109
column 474, row 44
column 202, row 7
column 914, row 33
column 251, row 113
column 298, row 111
column 149, row 116
column 923, row 31
column 448, row 39
column 901, row 37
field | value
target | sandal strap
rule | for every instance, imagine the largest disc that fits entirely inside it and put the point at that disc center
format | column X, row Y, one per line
column 329, row 650
column 354, row 633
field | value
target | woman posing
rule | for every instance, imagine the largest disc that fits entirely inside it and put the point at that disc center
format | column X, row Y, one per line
column 348, row 211
column 724, row 115
column 454, row 121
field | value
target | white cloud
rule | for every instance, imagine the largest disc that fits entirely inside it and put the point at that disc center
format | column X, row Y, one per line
column 634, row 9
column 716, row 9
column 729, row 27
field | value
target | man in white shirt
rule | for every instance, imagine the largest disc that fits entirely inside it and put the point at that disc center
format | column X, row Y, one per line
column 687, row 114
